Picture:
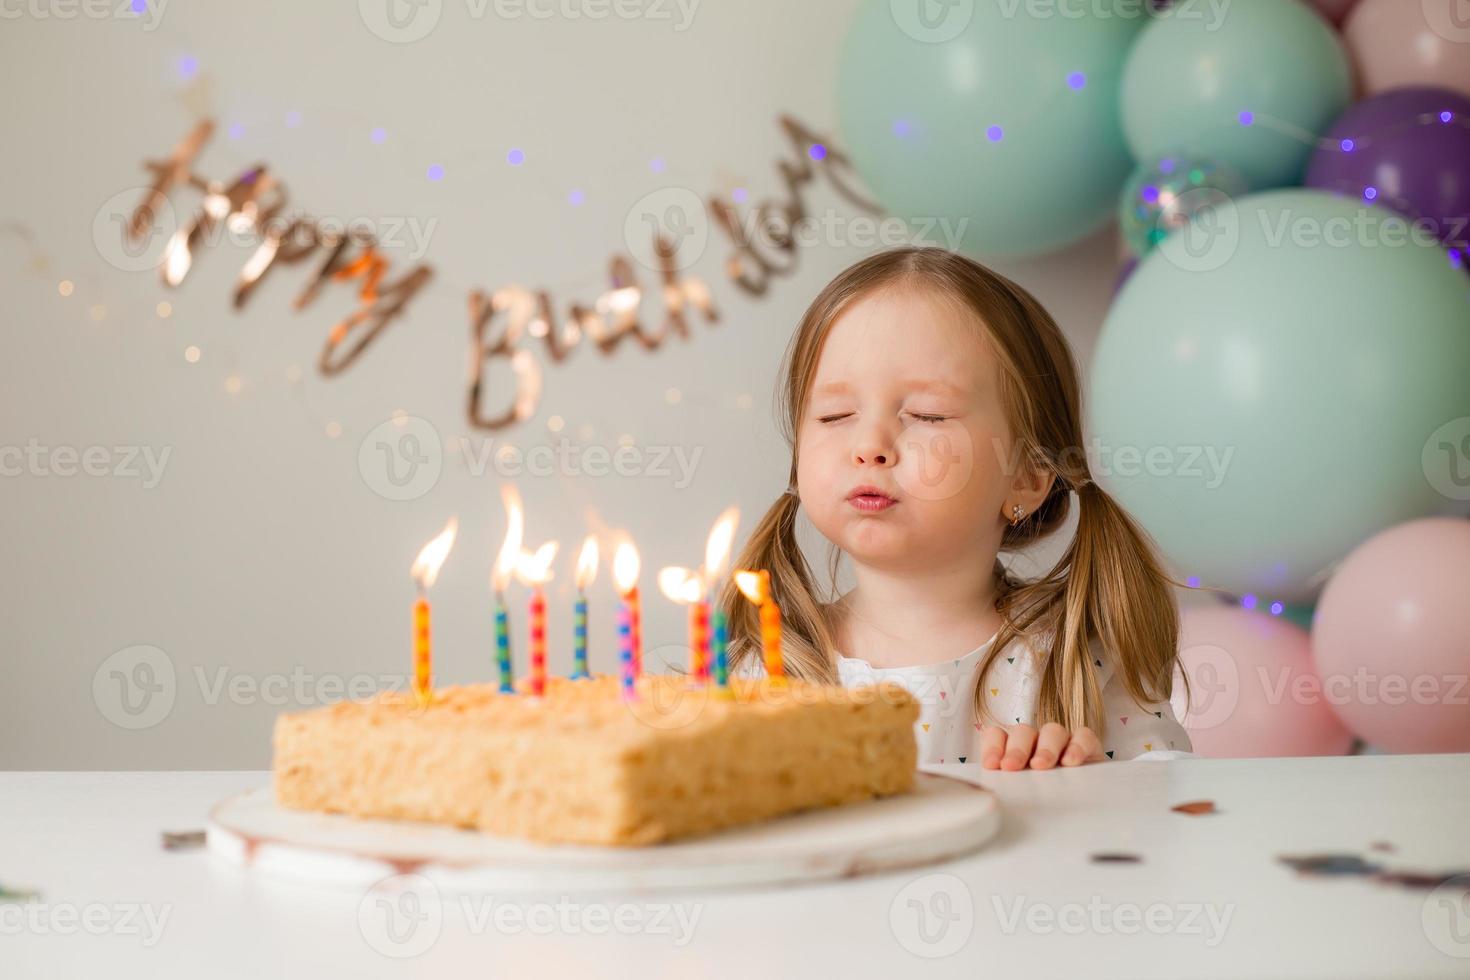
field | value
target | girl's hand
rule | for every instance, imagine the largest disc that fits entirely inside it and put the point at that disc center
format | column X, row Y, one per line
column 1013, row 746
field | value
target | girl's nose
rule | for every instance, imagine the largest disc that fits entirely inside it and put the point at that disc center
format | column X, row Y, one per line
column 872, row 451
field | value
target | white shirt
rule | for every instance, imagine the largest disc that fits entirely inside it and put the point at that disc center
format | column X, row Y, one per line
column 948, row 729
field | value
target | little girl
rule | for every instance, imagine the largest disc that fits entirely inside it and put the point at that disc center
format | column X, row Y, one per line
column 932, row 408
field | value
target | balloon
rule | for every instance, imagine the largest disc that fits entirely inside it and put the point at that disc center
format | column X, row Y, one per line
column 1264, row 387
column 1007, row 123
column 1408, row 149
column 1253, row 688
column 1163, row 195
column 1334, row 10
column 1250, row 90
column 1409, row 42
column 1392, row 638
column 1124, row 272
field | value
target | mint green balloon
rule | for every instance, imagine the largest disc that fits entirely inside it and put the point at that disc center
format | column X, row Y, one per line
column 994, row 131
column 1193, row 73
column 1265, row 383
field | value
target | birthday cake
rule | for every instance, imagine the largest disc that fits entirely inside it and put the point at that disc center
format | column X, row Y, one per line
column 584, row 764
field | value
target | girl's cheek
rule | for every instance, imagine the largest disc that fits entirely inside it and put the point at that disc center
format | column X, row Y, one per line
column 936, row 462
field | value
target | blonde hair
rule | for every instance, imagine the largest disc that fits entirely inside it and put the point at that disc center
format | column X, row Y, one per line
column 1109, row 585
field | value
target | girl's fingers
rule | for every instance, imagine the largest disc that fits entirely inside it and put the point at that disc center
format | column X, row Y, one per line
column 1085, row 747
column 1049, row 745
column 1020, row 740
column 992, row 745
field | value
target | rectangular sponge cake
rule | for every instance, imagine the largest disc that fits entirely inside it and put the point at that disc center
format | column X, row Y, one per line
column 582, row 765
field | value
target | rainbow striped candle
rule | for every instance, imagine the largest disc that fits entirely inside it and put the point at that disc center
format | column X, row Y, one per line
column 699, row 641
column 635, row 627
column 717, row 647
column 579, row 638
column 502, row 645
column 625, row 647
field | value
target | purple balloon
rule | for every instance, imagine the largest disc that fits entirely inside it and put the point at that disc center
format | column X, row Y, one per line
column 1408, row 149
column 1124, row 271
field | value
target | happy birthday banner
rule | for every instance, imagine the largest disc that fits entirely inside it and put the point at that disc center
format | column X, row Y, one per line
column 502, row 320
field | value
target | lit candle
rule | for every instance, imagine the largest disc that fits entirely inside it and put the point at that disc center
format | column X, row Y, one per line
column 757, row 588
column 535, row 570
column 586, row 572
column 505, row 566
column 683, row 586
column 716, row 554
column 424, row 571
column 625, row 578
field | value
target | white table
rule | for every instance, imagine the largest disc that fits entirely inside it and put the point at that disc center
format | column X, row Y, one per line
column 1208, row 899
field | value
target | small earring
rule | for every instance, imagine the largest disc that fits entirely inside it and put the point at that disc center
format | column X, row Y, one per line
column 1016, row 514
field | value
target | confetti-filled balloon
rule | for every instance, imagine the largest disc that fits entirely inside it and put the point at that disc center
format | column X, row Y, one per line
column 1163, row 196
column 1251, row 87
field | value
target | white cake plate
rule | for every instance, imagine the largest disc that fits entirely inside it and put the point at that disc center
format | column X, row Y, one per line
column 942, row 818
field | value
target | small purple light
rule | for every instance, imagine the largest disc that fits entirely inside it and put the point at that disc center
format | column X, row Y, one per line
column 1248, row 600
column 1347, row 146
column 1077, row 81
column 739, row 195
column 1370, row 193
column 379, row 134
column 236, row 130
column 902, row 128
column 1247, row 117
column 1276, row 608
column 817, row 151
column 657, row 165
column 436, row 172
column 1150, row 194
column 293, row 119
column 140, row 6
column 575, row 198
column 996, row 134
column 1192, row 581
column 1166, row 165
column 1446, row 116
column 188, row 66
column 1456, row 260
column 515, row 158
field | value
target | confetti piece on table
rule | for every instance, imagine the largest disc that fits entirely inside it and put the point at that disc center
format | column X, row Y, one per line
column 1116, row 858
column 1381, row 845
column 177, row 840
column 1195, row 807
column 1330, row 864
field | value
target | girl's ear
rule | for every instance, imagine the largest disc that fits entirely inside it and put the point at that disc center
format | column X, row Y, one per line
column 1030, row 488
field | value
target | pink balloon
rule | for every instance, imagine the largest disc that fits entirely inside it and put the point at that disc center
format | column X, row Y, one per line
column 1334, row 10
column 1409, row 42
column 1392, row 637
column 1254, row 690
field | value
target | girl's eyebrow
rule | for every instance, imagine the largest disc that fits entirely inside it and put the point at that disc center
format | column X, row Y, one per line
column 926, row 384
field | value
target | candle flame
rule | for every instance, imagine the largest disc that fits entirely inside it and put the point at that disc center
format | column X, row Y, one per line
column 717, row 548
column 426, row 566
column 625, row 567
column 535, row 569
column 510, row 550
column 587, row 562
column 754, row 585
column 680, row 584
